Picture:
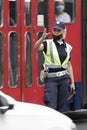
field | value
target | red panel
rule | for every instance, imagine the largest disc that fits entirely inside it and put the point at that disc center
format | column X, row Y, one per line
column 34, row 93
column 74, row 38
column 14, row 92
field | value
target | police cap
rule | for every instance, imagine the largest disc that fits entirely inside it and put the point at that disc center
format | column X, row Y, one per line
column 59, row 25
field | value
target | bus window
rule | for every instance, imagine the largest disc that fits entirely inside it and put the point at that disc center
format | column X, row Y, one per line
column 28, row 59
column 12, row 12
column 40, row 61
column 13, row 72
column 27, row 12
column 0, row 12
column 40, row 13
column 64, row 10
column 1, row 69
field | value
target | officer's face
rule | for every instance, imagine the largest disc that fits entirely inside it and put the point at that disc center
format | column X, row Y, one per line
column 56, row 31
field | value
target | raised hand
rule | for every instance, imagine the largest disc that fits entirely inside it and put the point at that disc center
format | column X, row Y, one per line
column 45, row 34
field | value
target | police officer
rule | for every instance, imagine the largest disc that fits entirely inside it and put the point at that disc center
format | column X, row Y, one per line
column 57, row 66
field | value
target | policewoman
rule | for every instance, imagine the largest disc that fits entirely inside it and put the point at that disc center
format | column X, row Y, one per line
column 58, row 72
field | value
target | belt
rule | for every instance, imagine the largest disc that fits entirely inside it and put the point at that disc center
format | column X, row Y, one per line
column 57, row 74
column 51, row 66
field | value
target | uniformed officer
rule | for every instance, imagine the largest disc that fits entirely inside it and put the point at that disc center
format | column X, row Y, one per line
column 57, row 67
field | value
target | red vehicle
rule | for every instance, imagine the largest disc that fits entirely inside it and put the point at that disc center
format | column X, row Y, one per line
column 21, row 23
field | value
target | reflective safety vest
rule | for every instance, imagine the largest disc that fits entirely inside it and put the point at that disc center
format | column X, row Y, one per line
column 51, row 57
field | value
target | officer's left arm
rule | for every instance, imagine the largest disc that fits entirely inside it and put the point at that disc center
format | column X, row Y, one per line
column 70, row 71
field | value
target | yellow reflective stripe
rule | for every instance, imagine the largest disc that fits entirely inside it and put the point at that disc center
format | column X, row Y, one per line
column 68, row 50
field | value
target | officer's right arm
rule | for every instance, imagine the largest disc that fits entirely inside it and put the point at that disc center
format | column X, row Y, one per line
column 38, row 44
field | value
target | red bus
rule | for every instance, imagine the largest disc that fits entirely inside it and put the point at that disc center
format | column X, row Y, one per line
column 21, row 24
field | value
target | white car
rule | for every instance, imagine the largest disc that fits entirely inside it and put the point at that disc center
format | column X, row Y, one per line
column 15, row 115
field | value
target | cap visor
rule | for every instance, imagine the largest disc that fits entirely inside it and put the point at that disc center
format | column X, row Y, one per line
column 57, row 27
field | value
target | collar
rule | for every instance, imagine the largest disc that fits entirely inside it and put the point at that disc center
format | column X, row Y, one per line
column 60, row 42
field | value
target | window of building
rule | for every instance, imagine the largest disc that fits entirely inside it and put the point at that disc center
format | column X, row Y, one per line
column 1, row 68
column 12, row 12
column 40, row 12
column 13, row 60
column 40, row 61
column 64, row 10
column 27, row 12
column 1, row 4
column 28, row 59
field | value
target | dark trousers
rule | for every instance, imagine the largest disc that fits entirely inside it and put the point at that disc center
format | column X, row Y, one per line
column 56, row 92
